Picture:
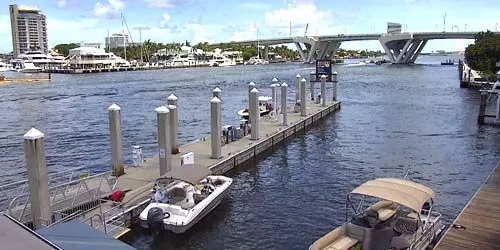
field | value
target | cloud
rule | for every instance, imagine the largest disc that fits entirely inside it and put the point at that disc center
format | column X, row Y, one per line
column 254, row 6
column 109, row 8
column 57, row 30
column 299, row 15
column 61, row 3
column 165, row 19
column 161, row 3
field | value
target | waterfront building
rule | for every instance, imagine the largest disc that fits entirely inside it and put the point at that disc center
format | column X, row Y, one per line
column 29, row 29
column 117, row 41
column 92, row 45
column 94, row 58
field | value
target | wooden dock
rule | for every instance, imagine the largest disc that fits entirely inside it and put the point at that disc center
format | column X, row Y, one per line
column 478, row 225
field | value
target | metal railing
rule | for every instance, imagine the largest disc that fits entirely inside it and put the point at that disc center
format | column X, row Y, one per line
column 67, row 190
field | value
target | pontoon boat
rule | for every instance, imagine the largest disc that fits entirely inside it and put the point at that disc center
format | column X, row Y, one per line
column 401, row 217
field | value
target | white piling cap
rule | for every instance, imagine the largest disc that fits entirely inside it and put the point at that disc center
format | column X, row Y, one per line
column 303, row 80
column 272, row 85
column 297, row 76
column 114, row 106
column 274, row 80
column 313, row 72
column 217, row 89
column 284, row 85
column 252, row 84
column 254, row 90
column 215, row 100
column 171, row 107
column 162, row 110
column 33, row 134
column 334, row 72
column 172, row 97
column 323, row 76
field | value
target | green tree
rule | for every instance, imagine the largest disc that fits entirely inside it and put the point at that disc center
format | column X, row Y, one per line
column 484, row 53
column 64, row 48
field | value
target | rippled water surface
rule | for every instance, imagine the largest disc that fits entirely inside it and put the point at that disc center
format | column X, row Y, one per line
column 393, row 118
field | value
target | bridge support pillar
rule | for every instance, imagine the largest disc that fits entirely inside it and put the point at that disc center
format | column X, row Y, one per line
column 402, row 48
column 266, row 52
column 315, row 49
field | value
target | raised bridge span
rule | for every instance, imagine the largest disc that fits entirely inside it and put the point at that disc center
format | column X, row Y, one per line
column 400, row 47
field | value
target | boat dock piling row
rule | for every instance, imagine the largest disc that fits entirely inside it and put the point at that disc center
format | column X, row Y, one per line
column 265, row 134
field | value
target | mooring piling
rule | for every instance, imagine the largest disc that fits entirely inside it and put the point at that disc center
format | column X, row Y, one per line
column 164, row 149
column 115, row 133
column 303, row 102
column 254, row 113
column 216, row 93
column 482, row 107
column 297, row 88
column 172, row 100
column 284, row 93
column 215, row 128
column 34, row 154
column 335, row 86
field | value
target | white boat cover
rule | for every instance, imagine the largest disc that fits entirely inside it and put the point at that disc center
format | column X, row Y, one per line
column 190, row 173
column 403, row 192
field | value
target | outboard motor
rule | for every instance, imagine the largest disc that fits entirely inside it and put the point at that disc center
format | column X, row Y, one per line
column 155, row 220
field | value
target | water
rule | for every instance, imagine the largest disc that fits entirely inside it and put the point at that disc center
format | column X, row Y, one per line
column 393, row 118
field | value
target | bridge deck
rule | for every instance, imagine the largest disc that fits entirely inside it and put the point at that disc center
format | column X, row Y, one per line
column 477, row 225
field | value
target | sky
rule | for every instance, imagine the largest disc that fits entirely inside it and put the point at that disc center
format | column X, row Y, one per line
column 230, row 20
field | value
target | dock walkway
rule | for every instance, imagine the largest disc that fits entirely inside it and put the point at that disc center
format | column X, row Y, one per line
column 139, row 181
column 477, row 226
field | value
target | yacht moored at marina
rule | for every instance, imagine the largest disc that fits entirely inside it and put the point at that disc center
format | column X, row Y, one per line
column 265, row 107
column 183, row 197
column 29, row 67
column 401, row 217
column 221, row 61
column 254, row 60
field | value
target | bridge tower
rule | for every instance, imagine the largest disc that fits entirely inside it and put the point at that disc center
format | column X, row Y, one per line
column 401, row 48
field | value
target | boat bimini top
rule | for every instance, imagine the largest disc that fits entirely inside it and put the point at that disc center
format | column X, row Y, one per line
column 400, row 191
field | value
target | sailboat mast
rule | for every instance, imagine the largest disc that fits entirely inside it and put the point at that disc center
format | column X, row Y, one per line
column 124, row 39
column 258, row 45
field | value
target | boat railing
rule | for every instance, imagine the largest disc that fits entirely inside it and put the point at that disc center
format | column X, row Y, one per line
column 429, row 231
column 79, row 191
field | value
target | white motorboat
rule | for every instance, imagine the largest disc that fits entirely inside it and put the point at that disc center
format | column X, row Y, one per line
column 183, row 197
column 221, row 61
column 256, row 61
column 401, row 217
column 265, row 108
column 29, row 67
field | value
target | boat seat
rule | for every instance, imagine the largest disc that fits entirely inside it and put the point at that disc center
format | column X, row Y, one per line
column 335, row 240
column 176, row 195
column 385, row 209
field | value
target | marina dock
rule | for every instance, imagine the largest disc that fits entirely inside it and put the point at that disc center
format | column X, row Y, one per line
column 86, row 198
column 476, row 227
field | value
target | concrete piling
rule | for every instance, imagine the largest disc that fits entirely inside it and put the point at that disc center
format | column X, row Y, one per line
column 216, row 93
column 311, row 83
column 297, row 88
column 284, row 98
column 115, row 133
column 498, row 108
column 323, row 90
column 215, row 125
column 335, row 86
column 172, row 100
column 254, row 114
column 164, row 148
column 482, row 107
column 174, row 144
column 34, row 154
column 303, row 102
column 251, row 86
column 312, row 76
column 275, row 89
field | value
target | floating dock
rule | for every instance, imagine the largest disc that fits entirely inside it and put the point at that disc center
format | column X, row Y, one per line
column 477, row 226
column 140, row 180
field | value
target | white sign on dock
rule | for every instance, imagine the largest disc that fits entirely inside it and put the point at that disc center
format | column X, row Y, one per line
column 187, row 158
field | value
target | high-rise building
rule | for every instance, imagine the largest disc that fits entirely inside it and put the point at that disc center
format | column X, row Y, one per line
column 29, row 29
column 117, row 41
